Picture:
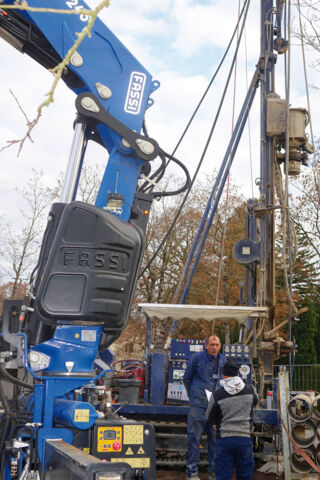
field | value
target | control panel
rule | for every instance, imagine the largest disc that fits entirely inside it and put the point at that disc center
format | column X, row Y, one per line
column 181, row 352
column 109, row 438
column 184, row 348
column 126, row 441
column 176, row 370
column 242, row 355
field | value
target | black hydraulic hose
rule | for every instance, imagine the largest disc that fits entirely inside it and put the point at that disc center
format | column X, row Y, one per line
column 6, row 426
column 4, row 400
column 185, row 187
column 163, row 241
column 158, row 174
column 12, row 379
column 2, row 440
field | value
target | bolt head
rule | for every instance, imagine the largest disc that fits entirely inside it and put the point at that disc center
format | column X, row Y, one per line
column 145, row 146
column 125, row 143
column 103, row 91
column 89, row 104
column 76, row 60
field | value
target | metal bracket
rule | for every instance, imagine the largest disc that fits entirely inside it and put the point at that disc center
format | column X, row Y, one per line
column 89, row 108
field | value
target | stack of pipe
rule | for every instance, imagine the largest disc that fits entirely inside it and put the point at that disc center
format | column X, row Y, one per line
column 304, row 411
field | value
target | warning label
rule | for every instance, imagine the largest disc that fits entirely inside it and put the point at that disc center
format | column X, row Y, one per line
column 133, row 434
column 134, row 462
column 81, row 415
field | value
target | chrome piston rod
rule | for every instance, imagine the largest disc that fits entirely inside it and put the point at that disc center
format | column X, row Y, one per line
column 72, row 175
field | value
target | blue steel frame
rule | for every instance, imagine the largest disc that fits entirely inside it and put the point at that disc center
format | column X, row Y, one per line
column 104, row 60
column 178, row 413
column 55, row 386
column 266, row 271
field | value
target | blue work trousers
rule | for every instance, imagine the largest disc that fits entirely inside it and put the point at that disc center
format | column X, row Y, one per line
column 233, row 452
column 197, row 425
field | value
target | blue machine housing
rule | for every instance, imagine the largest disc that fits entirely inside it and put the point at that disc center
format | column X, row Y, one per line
column 79, row 415
column 74, row 344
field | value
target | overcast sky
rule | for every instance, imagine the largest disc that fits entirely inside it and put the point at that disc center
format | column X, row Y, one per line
column 180, row 42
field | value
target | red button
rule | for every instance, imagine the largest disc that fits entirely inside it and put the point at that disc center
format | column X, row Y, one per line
column 116, row 445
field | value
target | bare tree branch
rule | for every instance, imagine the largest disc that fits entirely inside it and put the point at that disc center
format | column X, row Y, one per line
column 58, row 70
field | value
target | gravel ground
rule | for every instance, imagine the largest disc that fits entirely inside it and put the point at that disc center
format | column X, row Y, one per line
column 180, row 475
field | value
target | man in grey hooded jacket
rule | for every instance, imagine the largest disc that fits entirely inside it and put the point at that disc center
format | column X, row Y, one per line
column 230, row 409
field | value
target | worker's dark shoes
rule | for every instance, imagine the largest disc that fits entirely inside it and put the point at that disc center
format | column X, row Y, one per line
column 211, row 476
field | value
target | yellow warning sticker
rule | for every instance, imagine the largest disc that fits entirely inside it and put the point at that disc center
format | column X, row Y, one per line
column 86, row 450
column 140, row 451
column 133, row 434
column 134, row 462
column 129, row 451
column 81, row 415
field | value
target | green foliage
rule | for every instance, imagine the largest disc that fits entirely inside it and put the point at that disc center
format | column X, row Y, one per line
column 304, row 332
column 306, row 283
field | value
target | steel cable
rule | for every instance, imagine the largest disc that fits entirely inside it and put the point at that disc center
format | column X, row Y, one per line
column 205, row 149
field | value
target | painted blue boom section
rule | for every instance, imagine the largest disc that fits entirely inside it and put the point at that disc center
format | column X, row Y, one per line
column 106, row 61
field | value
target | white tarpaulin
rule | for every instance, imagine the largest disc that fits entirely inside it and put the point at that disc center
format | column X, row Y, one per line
column 198, row 312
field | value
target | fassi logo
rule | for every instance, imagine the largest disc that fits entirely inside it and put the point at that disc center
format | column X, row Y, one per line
column 135, row 93
column 95, row 259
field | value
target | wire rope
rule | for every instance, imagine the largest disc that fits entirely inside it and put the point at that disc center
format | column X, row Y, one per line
column 224, row 171
column 286, row 223
column 315, row 163
column 224, row 231
column 249, row 126
column 247, row 2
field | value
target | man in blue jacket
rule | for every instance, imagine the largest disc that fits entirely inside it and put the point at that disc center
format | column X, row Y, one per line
column 203, row 372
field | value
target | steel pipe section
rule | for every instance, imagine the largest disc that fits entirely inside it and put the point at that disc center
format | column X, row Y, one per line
column 304, row 411
column 304, row 434
column 316, row 407
column 299, row 464
column 300, row 407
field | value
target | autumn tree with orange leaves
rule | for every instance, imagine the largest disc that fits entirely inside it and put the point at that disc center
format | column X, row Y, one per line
column 159, row 282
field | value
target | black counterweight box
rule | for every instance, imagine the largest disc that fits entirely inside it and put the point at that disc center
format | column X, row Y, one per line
column 91, row 271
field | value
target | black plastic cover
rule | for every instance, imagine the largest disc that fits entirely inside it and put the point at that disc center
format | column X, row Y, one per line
column 66, row 462
column 91, row 272
column 36, row 331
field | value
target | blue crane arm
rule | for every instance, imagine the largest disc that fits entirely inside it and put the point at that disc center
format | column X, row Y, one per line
column 102, row 66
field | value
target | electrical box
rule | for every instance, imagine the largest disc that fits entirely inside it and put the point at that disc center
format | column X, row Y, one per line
column 276, row 115
column 184, row 348
column 181, row 352
column 241, row 354
column 126, row 441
